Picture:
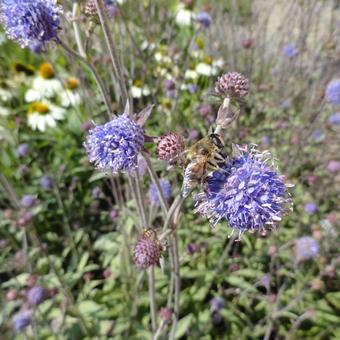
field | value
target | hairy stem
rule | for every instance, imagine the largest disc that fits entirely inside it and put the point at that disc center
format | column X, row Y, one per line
column 99, row 81
column 112, row 51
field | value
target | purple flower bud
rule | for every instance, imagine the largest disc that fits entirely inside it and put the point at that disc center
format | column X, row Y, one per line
column 217, row 303
column 22, row 150
column 334, row 119
column 113, row 214
column 28, row 201
column 333, row 166
column 204, row 19
column 97, row 193
column 286, row 104
column 333, row 92
column 193, row 134
column 165, row 314
column 153, row 192
column 205, row 110
column 169, row 84
column 147, row 251
column 46, row 182
column 21, row 320
column 192, row 88
column 290, row 50
column 306, row 248
column 36, row 295
column 191, row 248
column 310, row 208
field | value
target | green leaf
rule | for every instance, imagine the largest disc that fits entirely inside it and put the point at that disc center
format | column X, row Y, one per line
column 183, row 326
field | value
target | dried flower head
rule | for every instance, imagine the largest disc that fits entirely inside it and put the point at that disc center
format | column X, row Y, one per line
column 170, row 147
column 90, row 9
column 147, row 250
column 166, row 190
column 30, row 21
column 333, row 92
column 247, row 191
column 115, row 145
column 36, row 295
column 306, row 248
column 233, row 85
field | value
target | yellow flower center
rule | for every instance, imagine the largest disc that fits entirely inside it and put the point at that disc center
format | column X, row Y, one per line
column 138, row 83
column 39, row 107
column 200, row 43
column 72, row 83
column 208, row 60
column 46, row 71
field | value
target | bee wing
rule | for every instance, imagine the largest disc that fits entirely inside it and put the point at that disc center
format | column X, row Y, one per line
column 193, row 174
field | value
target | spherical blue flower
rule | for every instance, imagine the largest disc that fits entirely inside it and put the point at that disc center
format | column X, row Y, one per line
column 310, row 208
column 334, row 119
column 22, row 150
column 166, row 189
column 333, row 92
column 28, row 201
column 306, row 248
column 204, row 19
column 290, row 50
column 36, row 295
column 46, row 182
column 115, row 145
column 21, row 320
column 30, row 21
column 217, row 303
column 247, row 191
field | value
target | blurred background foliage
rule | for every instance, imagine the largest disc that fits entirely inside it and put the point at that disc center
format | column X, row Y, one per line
column 70, row 238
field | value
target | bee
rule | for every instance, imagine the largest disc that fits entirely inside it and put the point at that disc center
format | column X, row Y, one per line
column 201, row 158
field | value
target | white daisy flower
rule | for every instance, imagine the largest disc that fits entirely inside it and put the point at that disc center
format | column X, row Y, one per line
column 4, row 111
column 206, row 69
column 183, row 16
column 190, row 74
column 43, row 115
column 138, row 92
column 69, row 98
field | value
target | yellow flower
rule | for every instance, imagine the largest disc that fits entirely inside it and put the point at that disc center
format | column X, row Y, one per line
column 43, row 115
column 46, row 71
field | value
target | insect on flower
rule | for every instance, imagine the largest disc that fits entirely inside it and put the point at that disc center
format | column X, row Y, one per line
column 201, row 158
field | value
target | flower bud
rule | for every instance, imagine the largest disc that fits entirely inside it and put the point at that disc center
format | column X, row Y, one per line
column 147, row 250
column 170, row 146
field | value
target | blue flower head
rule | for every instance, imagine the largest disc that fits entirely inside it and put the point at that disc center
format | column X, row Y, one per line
column 333, row 92
column 247, row 191
column 306, row 247
column 204, row 19
column 36, row 295
column 166, row 189
column 290, row 51
column 30, row 22
column 21, row 320
column 115, row 145
column 334, row 118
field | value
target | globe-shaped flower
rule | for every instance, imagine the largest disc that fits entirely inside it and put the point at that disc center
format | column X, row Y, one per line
column 30, row 21
column 204, row 19
column 115, row 145
column 306, row 248
column 334, row 118
column 170, row 147
column 21, row 320
column 233, row 85
column 290, row 51
column 333, row 92
column 147, row 251
column 247, row 191
column 36, row 295
column 153, row 192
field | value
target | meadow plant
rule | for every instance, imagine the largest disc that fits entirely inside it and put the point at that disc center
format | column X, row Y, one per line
column 129, row 159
